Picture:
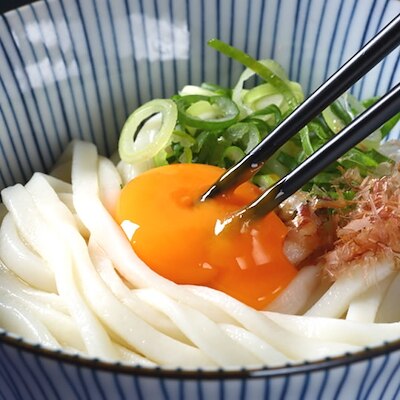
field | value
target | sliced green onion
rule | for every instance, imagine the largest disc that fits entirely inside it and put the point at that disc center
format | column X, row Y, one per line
column 216, row 89
column 238, row 93
column 263, row 127
column 206, row 142
column 179, row 149
column 371, row 101
column 232, row 155
column 219, row 112
column 217, row 153
column 335, row 123
column 262, row 96
column 287, row 160
column 242, row 134
column 320, row 128
column 186, row 157
column 275, row 167
column 379, row 157
column 356, row 107
column 264, row 181
column 342, row 112
column 263, row 71
column 325, row 178
column 340, row 109
column 218, row 126
column 355, row 158
column 389, row 125
column 353, row 106
column 189, row 90
column 272, row 109
column 297, row 91
column 153, row 140
column 306, row 141
column 203, row 110
column 183, row 138
column 161, row 158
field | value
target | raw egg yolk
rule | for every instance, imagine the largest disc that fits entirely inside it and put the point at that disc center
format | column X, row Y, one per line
column 176, row 234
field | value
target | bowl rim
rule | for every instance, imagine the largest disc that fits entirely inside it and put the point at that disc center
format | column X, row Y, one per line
column 367, row 353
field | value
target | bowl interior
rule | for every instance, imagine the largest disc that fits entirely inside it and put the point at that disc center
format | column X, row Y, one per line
column 78, row 69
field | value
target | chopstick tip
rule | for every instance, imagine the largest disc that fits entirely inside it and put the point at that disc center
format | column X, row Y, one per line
column 211, row 192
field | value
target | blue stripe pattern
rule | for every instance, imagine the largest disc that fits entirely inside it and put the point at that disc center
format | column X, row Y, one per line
column 73, row 69
column 26, row 375
column 69, row 92
column 33, row 107
column 12, row 87
column 82, row 98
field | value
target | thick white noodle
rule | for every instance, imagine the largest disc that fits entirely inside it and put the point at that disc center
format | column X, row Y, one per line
column 203, row 332
column 295, row 297
column 58, row 185
column 260, row 348
column 61, row 326
column 341, row 330
column 131, row 357
column 109, row 184
column 101, row 300
column 106, row 307
column 389, row 310
column 323, row 287
column 129, row 297
column 68, row 200
column 365, row 306
column 22, row 260
column 42, row 236
column 102, row 226
column 334, row 303
column 292, row 346
column 11, row 282
column 16, row 319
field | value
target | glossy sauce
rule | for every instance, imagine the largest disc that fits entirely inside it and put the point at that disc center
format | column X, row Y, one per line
column 177, row 238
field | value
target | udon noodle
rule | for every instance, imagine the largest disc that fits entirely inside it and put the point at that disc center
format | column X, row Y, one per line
column 70, row 280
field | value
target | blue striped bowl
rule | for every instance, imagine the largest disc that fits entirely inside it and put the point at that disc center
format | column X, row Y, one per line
column 72, row 69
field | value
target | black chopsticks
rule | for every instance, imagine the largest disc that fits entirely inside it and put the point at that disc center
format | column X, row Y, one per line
column 373, row 52
column 352, row 134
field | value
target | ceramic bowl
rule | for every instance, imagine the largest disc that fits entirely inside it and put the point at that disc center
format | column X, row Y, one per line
column 76, row 69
